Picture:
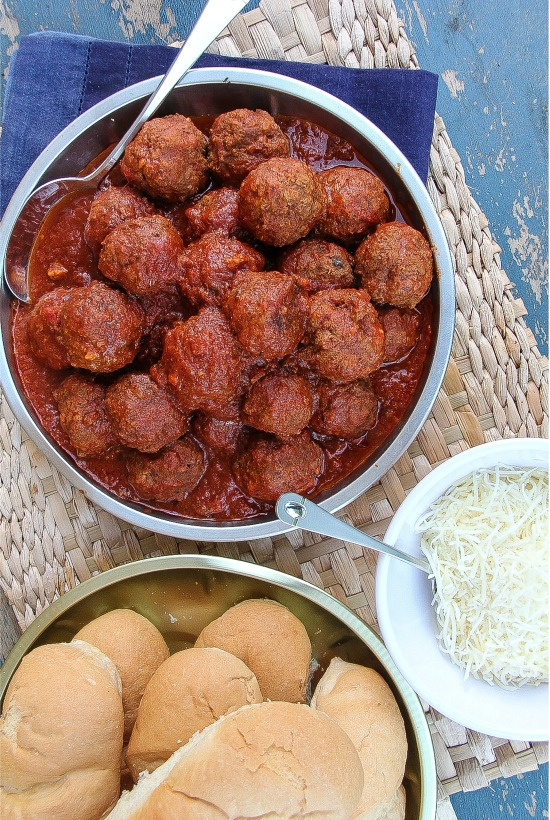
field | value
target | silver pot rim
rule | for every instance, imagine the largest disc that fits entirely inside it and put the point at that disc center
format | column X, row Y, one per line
column 270, row 526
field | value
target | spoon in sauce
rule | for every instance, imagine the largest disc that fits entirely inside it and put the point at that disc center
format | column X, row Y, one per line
column 215, row 16
column 301, row 513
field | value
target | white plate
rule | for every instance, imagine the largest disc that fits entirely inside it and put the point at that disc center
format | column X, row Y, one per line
column 407, row 620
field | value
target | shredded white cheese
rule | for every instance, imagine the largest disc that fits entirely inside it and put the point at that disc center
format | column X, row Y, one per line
column 486, row 540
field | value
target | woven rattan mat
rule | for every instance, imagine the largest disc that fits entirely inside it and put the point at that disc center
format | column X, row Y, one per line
column 52, row 537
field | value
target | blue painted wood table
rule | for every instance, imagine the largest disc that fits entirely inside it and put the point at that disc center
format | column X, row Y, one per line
column 491, row 60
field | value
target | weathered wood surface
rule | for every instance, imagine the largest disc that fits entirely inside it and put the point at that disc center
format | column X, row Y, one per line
column 491, row 59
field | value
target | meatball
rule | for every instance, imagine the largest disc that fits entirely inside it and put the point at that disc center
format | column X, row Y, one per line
column 216, row 210
column 280, row 201
column 165, row 307
column 401, row 329
column 395, row 264
column 356, row 202
column 323, row 264
column 345, row 410
column 143, row 415
column 269, row 467
column 142, row 254
column 169, row 475
column 204, row 364
column 83, row 415
column 207, row 267
column 268, row 312
column 167, row 159
column 43, row 329
column 110, row 208
column 281, row 404
column 100, row 328
column 222, row 436
column 240, row 140
column 161, row 311
column 345, row 337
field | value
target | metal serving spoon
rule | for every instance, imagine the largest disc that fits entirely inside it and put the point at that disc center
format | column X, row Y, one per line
column 294, row 509
column 215, row 16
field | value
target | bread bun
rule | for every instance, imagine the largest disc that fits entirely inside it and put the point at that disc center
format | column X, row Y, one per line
column 392, row 809
column 270, row 640
column 362, row 703
column 61, row 735
column 188, row 692
column 135, row 646
column 277, row 760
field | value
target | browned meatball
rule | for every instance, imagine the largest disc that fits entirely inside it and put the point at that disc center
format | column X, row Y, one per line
column 323, row 264
column 167, row 159
column 345, row 337
column 100, row 328
column 345, row 410
column 43, row 329
column 268, row 312
column 242, row 139
column 142, row 254
column 165, row 307
column 222, row 436
column 269, row 467
column 110, row 208
column 400, row 332
column 83, row 416
column 357, row 202
column 216, row 210
column 281, row 404
column 280, row 201
column 395, row 264
column 143, row 415
column 207, row 267
column 161, row 311
column 169, row 475
column 204, row 364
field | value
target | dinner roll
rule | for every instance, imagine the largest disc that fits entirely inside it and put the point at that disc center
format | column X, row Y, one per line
column 272, row 759
column 188, row 692
column 272, row 642
column 392, row 809
column 61, row 735
column 362, row 703
column 135, row 646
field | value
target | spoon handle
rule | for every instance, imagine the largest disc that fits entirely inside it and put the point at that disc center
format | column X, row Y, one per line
column 215, row 16
column 294, row 509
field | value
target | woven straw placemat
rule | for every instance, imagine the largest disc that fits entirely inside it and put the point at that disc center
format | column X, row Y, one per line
column 52, row 537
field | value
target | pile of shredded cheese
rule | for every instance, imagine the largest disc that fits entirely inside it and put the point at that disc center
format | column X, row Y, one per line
column 486, row 540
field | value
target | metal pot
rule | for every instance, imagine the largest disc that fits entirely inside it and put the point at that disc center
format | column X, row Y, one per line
column 212, row 91
column 181, row 594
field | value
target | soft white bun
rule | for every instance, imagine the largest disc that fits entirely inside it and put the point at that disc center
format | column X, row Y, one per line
column 270, row 640
column 135, row 646
column 272, row 759
column 362, row 703
column 61, row 735
column 392, row 809
column 188, row 692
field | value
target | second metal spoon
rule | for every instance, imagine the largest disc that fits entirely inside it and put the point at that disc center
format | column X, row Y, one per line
column 294, row 509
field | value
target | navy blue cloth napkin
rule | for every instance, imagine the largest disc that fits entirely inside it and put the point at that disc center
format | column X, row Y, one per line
column 54, row 77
